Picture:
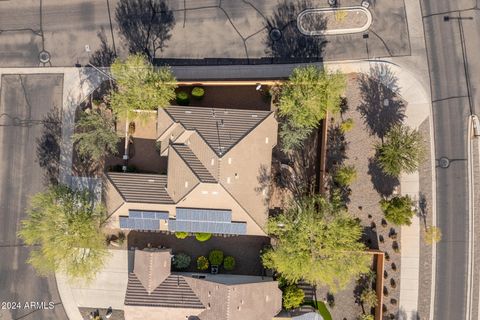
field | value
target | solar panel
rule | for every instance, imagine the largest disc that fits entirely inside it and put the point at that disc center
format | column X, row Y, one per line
column 211, row 215
column 143, row 220
column 207, row 226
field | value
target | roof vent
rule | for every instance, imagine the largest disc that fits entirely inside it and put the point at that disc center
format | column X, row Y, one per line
column 188, row 111
column 254, row 116
column 151, row 180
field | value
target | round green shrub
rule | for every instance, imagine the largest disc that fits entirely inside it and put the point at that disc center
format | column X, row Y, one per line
column 292, row 297
column 202, row 263
column 229, row 263
column 181, row 261
column 215, row 257
column 181, row 235
column 198, row 93
column 202, row 237
column 182, row 98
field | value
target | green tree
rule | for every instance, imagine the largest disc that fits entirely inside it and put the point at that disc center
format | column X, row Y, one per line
column 433, row 235
column 140, row 86
column 309, row 94
column 64, row 226
column 292, row 297
column 202, row 263
column 318, row 242
column 369, row 297
column 398, row 210
column 403, row 151
column 95, row 136
column 291, row 136
column 345, row 175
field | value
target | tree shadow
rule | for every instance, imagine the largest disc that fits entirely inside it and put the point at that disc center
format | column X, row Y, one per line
column 381, row 107
column 104, row 56
column 49, row 146
column 384, row 184
column 145, row 25
column 291, row 44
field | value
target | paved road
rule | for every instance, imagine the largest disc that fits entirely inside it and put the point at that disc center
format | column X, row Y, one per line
column 452, row 48
column 188, row 29
column 24, row 100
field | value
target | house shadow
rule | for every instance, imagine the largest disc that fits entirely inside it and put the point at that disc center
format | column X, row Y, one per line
column 285, row 43
column 145, row 25
column 381, row 107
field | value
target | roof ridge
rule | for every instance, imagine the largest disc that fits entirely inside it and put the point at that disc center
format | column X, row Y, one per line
column 263, row 113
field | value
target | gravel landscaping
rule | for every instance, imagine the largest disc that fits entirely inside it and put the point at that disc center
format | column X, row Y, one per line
column 372, row 116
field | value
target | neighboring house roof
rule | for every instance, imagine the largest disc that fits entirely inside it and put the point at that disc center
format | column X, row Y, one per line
column 226, row 297
column 220, row 128
column 194, row 163
column 174, row 292
column 146, row 261
column 143, row 188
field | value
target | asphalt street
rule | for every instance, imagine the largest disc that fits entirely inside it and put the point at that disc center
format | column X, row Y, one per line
column 24, row 102
column 74, row 31
column 452, row 47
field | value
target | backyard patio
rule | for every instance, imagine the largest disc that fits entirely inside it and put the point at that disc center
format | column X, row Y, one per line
column 245, row 249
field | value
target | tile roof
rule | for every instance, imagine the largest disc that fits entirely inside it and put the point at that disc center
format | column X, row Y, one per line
column 194, row 163
column 174, row 292
column 220, row 128
column 143, row 188
column 152, row 267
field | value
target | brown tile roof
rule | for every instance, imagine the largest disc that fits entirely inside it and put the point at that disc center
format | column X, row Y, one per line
column 174, row 292
column 194, row 163
column 143, row 188
column 220, row 128
column 152, row 267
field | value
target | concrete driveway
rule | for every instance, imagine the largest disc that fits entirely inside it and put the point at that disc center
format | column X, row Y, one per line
column 106, row 290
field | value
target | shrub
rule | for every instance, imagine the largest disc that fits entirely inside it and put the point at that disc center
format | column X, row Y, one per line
column 121, row 237
column 345, row 175
column 198, row 93
column 202, row 237
column 181, row 235
column 182, row 98
column 215, row 257
column 346, row 125
column 369, row 297
column 366, row 317
column 292, row 297
column 181, row 261
column 229, row 263
column 202, row 263
column 398, row 210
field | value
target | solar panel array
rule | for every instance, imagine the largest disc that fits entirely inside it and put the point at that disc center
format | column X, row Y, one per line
column 143, row 220
column 206, row 220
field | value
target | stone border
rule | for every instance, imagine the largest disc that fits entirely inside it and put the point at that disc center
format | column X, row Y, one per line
column 334, row 31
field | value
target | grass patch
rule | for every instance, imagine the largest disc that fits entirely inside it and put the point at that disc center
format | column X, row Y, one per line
column 321, row 308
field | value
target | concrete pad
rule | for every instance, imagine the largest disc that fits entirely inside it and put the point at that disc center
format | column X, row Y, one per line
column 109, row 287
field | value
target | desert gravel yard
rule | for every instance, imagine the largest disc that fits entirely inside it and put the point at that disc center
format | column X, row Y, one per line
column 374, row 108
